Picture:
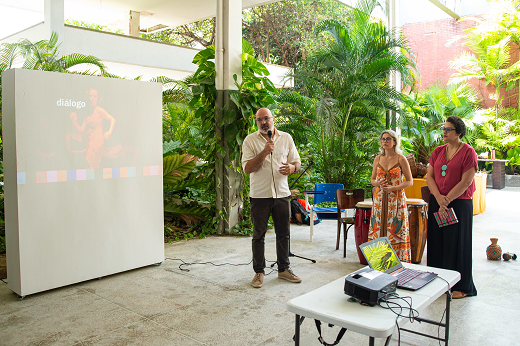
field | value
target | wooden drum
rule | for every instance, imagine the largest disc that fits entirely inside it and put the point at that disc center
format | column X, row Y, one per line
column 418, row 220
column 361, row 225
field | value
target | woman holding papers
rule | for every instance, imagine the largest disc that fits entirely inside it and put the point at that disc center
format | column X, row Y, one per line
column 389, row 213
column 450, row 180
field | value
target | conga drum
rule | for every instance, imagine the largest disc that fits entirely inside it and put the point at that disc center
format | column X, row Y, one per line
column 363, row 211
column 418, row 221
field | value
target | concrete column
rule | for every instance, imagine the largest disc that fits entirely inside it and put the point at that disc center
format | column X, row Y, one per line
column 392, row 9
column 54, row 18
column 228, row 61
column 134, row 23
column 228, row 47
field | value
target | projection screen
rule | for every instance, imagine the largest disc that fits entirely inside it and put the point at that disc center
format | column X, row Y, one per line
column 83, row 177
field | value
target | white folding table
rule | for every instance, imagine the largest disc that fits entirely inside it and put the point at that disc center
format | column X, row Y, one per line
column 331, row 305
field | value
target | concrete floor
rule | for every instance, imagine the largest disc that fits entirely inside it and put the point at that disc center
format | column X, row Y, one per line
column 216, row 305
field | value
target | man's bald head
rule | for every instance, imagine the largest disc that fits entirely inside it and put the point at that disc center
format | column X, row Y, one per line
column 263, row 112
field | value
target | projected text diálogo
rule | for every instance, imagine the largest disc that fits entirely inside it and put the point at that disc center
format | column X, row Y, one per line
column 70, row 103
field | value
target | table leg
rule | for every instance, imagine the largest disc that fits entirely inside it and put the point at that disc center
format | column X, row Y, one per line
column 297, row 331
column 311, row 215
column 499, row 174
column 312, row 221
column 447, row 327
column 371, row 341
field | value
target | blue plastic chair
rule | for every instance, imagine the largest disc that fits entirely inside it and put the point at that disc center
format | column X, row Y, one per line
column 328, row 196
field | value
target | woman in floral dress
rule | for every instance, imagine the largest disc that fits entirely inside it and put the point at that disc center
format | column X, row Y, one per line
column 389, row 211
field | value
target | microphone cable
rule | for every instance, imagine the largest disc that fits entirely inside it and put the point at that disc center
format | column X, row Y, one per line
column 184, row 263
column 270, row 136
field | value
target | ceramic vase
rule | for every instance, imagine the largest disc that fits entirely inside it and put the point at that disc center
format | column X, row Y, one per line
column 494, row 251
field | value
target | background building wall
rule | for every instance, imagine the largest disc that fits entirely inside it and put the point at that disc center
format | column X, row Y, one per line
column 429, row 42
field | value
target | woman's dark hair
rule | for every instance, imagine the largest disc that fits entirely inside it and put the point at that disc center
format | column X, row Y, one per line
column 460, row 127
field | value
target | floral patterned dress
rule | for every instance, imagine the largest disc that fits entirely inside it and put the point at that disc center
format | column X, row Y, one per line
column 390, row 214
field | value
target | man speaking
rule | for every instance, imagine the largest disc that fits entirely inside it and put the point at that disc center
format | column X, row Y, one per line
column 269, row 156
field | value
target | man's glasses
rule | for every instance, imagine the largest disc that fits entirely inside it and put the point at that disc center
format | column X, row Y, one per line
column 261, row 120
column 386, row 139
column 446, row 129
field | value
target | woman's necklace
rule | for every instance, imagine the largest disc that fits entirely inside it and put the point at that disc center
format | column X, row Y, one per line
column 445, row 166
column 456, row 151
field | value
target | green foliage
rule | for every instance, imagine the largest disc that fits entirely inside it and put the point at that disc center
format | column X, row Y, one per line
column 171, row 147
column 421, row 123
column 490, row 42
column 327, row 205
column 347, row 92
column 43, row 55
column 2, row 219
column 92, row 26
column 198, row 34
column 502, row 135
column 177, row 167
column 513, row 155
column 178, row 180
column 282, row 32
column 195, row 127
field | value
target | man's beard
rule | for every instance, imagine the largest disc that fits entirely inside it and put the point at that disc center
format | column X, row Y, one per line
column 264, row 130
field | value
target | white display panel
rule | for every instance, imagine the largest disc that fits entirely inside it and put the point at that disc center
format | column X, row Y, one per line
column 83, row 177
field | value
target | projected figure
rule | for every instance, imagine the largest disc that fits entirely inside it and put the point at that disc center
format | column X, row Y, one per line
column 92, row 130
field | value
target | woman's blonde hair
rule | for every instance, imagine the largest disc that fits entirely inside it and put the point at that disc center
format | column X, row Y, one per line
column 396, row 139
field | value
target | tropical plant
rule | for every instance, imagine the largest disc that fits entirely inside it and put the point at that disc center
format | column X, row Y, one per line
column 421, row 123
column 490, row 57
column 513, row 157
column 197, row 34
column 222, row 144
column 282, row 32
column 177, row 179
column 500, row 134
column 92, row 26
column 234, row 122
column 179, row 120
column 44, row 55
column 349, row 80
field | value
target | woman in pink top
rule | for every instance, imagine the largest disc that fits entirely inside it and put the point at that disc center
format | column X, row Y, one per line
column 450, row 180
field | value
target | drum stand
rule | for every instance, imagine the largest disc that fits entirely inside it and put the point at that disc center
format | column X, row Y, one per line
column 290, row 253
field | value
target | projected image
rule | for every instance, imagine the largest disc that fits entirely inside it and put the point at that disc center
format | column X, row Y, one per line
column 85, row 131
column 91, row 138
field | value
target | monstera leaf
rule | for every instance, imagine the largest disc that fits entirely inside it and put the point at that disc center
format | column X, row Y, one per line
column 177, row 167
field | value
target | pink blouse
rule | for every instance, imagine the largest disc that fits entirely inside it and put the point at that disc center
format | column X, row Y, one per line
column 465, row 159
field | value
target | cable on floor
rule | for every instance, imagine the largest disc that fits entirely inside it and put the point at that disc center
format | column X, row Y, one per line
column 216, row 265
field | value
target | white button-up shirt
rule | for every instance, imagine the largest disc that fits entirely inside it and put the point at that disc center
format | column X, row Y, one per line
column 268, row 182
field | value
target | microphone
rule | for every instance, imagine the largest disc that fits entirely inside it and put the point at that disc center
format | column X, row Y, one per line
column 270, row 136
